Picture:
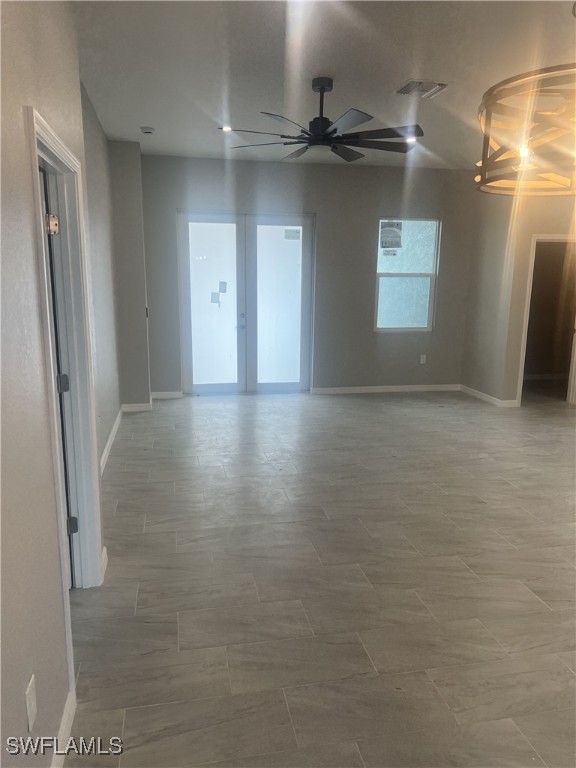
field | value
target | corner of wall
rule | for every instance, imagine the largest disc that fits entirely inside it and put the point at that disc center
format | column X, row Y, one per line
column 110, row 441
column 130, row 270
column 65, row 730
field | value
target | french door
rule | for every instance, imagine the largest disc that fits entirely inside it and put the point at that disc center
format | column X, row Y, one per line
column 245, row 302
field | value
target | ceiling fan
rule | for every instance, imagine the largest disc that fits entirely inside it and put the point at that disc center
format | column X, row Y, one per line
column 321, row 132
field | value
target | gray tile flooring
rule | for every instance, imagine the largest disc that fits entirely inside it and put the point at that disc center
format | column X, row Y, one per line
column 334, row 582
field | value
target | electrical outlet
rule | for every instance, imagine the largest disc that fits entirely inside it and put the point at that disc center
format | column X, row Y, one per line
column 422, row 359
column 31, row 706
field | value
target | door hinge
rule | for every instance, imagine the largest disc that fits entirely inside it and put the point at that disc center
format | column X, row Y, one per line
column 63, row 382
column 71, row 525
column 52, row 224
column 147, row 312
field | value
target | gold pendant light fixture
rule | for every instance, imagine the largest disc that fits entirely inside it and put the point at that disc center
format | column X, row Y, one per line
column 529, row 127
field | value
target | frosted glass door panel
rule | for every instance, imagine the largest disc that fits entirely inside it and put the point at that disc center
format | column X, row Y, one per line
column 213, row 288
column 279, row 303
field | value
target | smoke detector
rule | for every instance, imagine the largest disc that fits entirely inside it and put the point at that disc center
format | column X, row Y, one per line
column 147, row 129
column 425, row 89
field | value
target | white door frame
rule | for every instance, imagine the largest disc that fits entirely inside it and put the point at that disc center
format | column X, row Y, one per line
column 520, row 383
column 89, row 557
column 245, row 263
column 571, row 395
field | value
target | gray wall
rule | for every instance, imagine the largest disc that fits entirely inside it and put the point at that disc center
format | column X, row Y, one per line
column 99, row 230
column 499, row 285
column 38, row 50
column 126, row 181
column 347, row 201
column 485, row 342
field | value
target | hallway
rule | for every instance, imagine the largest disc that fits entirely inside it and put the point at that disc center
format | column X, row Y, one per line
column 301, row 581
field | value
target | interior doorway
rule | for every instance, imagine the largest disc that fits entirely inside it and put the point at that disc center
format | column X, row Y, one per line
column 246, row 302
column 68, row 353
column 548, row 364
column 53, row 219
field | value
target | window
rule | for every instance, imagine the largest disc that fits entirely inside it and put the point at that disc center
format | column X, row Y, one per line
column 406, row 274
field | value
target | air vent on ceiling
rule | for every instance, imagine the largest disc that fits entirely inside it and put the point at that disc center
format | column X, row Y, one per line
column 425, row 89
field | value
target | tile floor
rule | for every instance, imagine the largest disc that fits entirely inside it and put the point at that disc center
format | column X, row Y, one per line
column 329, row 582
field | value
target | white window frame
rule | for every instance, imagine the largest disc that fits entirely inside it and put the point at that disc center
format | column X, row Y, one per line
column 432, row 275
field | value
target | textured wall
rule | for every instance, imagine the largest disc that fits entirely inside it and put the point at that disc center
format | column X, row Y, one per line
column 38, row 50
column 485, row 344
column 99, row 231
column 347, row 201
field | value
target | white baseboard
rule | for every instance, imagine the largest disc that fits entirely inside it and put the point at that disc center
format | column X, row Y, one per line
column 135, row 407
column 103, row 563
column 383, row 389
column 415, row 388
column 489, row 398
column 108, row 446
column 166, row 395
column 65, row 729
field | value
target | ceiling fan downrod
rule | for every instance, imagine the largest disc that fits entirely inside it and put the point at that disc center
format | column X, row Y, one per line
column 321, row 85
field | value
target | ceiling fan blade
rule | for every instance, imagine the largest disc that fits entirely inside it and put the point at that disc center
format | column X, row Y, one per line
column 387, row 146
column 265, row 144
column 346, row 153
column 348, row 120
column 264, row 133
column 401, row 132
column 283, row 119
column 297, row 153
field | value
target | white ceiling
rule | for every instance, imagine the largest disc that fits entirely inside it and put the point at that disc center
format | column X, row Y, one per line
column 187, row 67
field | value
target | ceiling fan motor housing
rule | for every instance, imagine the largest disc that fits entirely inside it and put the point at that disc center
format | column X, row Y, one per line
column 317, row 126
